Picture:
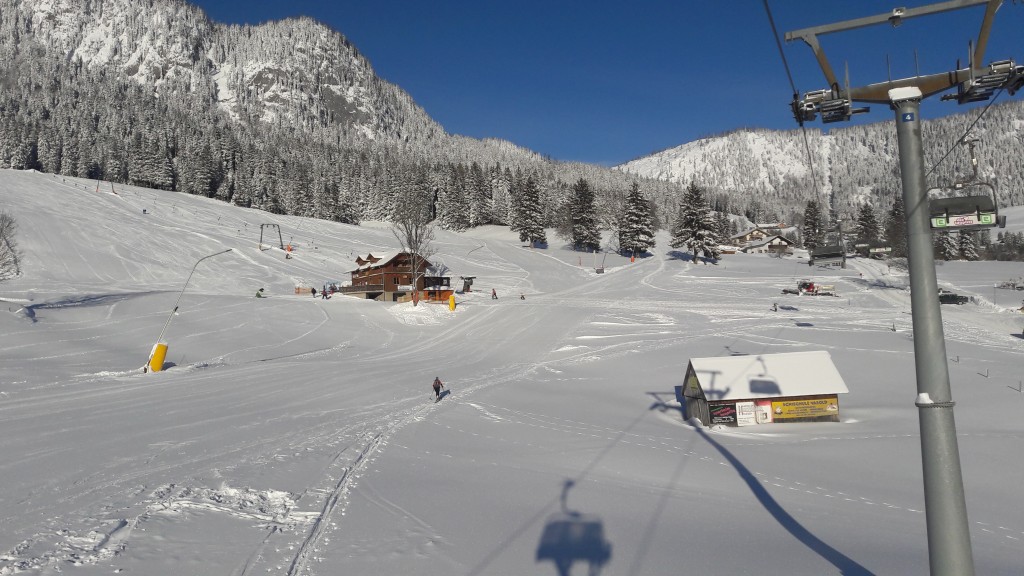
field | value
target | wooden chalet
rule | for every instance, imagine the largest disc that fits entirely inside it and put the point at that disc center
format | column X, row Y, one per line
column 762, row 389
column 752, row 235
column 769, row 245
column 389, row 277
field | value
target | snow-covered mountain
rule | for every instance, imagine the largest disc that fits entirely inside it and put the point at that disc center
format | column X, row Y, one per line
column 294, row 72
column 290, row 117
column 855, row 164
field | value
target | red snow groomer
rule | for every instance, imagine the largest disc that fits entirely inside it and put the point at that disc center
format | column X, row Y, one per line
column 807, row 287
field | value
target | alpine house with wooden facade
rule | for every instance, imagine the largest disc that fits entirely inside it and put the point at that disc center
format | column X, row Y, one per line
column 397, row 277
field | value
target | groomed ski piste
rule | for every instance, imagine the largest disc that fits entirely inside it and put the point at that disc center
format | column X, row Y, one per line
column 298, row 436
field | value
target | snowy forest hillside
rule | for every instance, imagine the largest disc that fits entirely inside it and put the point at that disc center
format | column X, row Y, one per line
column 285, row 116
column 289, row 117
column 763, row 171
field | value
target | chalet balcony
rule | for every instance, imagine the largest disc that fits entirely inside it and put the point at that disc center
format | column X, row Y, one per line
column 361, row 288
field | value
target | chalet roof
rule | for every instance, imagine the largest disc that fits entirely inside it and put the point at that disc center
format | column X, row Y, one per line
column 750, row 231
column 768, row 240
column 371, row 261
column 768, row 375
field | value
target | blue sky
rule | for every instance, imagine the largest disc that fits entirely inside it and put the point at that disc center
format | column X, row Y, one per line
column 606, row 82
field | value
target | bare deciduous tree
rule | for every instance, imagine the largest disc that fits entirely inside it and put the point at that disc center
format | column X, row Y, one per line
column 9, row 255
column 413, row 226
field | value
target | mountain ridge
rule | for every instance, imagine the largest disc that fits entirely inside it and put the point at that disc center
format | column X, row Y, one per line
column 288, row 114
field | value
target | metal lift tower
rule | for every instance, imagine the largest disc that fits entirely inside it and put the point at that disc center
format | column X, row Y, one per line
column 949, row 543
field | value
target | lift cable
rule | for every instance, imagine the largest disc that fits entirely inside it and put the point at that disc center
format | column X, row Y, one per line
column 966, row 132
column 807, row 145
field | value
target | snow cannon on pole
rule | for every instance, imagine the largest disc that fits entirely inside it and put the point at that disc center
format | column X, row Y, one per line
column 155, row 363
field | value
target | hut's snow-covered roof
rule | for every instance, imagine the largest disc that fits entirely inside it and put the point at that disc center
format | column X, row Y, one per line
column 768, row 375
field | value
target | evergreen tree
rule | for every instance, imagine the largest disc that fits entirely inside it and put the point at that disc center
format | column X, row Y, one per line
column 967, row 243
column 694, row 226
column 478, row 194
column 723, row 226
column 635, row 234
column 585, row 233
column 868, row 230
column 896, row 228
column 530, row 217
column 946, row 246
column 814, row 225
column 453, row 210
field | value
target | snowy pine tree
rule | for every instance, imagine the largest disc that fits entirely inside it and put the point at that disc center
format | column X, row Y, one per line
column 814, row 225
column 967, row 243
column 529, row 221
column 946, row 246
column 635, row 233
column 896, row 228
column 583, row 215
column 868, row 229
column 694, row 226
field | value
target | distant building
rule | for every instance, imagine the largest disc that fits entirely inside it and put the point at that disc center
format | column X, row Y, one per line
column 397, row 277
column 763, row 388
column 751, row 235
column 769, row 245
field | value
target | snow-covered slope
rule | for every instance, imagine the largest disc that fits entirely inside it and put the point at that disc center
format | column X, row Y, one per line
column 292, row 435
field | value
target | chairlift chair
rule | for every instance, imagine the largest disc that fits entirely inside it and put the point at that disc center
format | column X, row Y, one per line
column 964, row 210
column 831, row 254
column 878, row 249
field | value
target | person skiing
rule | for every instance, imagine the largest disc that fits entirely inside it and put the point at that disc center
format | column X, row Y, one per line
column 437, row 388
column 314, row 292
column 494, row 294
column 259, row 293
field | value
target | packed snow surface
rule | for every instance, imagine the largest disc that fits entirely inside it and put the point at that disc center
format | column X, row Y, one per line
column 297, row 436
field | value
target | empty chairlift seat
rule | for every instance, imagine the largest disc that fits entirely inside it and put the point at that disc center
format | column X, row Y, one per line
column 953, row 209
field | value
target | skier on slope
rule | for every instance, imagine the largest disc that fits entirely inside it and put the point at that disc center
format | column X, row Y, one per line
column 437, row 387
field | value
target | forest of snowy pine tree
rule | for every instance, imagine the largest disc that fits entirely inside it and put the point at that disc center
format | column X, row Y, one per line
column 289, row 117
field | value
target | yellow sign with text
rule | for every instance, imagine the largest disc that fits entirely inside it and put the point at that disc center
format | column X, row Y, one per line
column 805, row 408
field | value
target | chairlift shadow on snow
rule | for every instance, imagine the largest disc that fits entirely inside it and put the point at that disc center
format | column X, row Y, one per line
column 570, row 537
column 846, row 565
column 661, row 405
column 710, row 391
column 764, row 384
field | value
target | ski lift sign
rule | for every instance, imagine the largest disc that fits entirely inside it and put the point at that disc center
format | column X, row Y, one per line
column 978, row 219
